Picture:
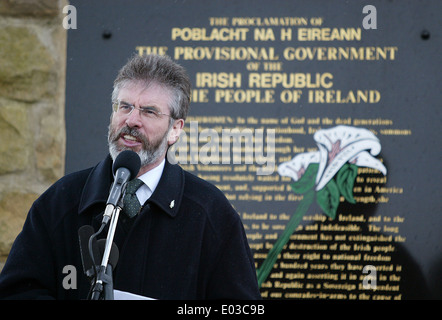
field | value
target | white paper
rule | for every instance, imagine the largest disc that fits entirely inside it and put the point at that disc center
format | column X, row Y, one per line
column 123, row 295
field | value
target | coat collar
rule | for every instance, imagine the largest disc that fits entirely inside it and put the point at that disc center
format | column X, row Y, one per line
column 167, row 195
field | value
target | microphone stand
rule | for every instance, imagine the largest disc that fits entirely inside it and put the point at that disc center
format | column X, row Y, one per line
column 104, row 281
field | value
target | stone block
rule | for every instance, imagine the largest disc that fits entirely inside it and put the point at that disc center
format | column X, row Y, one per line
column 50, row 146
column 27, row 72
column 34, row 8
column 15, row 145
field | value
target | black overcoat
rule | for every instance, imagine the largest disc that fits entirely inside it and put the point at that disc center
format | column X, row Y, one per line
column 187, row 242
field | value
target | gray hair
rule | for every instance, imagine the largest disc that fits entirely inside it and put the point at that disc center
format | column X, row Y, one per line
column 161, row 70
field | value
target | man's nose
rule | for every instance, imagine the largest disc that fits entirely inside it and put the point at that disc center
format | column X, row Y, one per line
column 134, row 119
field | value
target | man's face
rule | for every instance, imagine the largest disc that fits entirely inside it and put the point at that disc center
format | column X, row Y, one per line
column 149, row 137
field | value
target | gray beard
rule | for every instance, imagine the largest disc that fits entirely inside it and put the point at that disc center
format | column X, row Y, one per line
column 150, row 151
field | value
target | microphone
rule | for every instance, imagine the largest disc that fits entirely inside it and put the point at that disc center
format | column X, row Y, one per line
column 125, row 167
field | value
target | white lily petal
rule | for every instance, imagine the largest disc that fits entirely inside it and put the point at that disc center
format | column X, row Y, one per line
column 323, row 159
column 291, row 168
column 346, row 134
column 364, row 159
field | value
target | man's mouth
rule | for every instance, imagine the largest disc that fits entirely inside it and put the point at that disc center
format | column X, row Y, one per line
column 129, row 137
column 130, row 141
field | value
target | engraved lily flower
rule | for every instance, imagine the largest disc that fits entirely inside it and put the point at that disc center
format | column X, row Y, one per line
column 343, row 144
column 336, row 146
column 341, row 150
column 325, row 174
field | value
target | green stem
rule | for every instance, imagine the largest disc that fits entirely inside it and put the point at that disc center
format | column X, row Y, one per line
column 267, row 266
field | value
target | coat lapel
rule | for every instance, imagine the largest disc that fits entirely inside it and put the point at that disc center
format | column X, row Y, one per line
column 97, row 186
column 169, row 192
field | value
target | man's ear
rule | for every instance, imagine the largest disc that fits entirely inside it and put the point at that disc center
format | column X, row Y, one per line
column 175, row 131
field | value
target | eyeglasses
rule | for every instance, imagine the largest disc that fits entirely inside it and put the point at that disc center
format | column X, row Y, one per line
column 147, row 112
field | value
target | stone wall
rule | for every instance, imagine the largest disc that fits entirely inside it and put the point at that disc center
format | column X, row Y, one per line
column 32, row 100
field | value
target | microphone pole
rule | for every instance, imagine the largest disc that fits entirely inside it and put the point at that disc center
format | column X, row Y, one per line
column 104, row 281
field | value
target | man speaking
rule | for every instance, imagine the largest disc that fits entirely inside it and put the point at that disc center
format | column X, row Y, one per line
column 178, row 236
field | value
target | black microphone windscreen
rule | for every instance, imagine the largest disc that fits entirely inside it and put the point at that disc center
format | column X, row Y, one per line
column 127, row 159
column 84, row 234
column 114, row 253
